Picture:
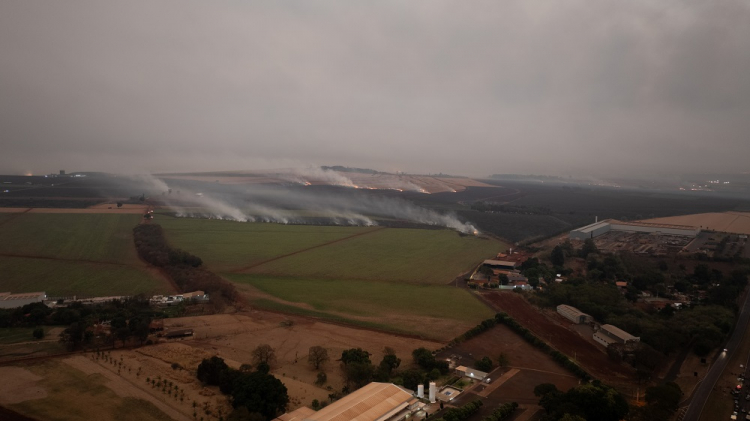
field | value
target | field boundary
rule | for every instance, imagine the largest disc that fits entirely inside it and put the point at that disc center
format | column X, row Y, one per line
column 273, row 259
column 14, row 215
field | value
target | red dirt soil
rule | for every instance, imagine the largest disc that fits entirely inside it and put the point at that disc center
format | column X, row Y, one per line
column 587, row 354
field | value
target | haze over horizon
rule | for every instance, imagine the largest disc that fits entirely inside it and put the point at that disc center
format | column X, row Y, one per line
column 581, row 88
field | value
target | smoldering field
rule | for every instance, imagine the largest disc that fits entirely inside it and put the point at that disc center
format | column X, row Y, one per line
column 297, row 201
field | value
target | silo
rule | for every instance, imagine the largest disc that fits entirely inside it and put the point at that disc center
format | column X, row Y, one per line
column 433, row 392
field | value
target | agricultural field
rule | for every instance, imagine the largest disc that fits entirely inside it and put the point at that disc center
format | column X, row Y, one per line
column 399, row 255
column 437, row 312
column 91, row 237
column 228, row 245
column 66, row 278
column 74, row 254
column 54, row 390
column 733, row 222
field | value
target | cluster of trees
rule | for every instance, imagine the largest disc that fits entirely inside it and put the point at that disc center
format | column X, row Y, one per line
column 590, row 401
column 255, row 394
column 705, row 326
column 130, row 319
column 462, row 413
column 526, row 334
column 503, row 412
column 661, row 403
column 183, row 267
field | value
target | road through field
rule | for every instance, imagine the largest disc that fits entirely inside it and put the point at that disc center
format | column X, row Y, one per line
column 706, row 386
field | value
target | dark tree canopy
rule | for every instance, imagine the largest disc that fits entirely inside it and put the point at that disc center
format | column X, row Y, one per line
column 357, row 355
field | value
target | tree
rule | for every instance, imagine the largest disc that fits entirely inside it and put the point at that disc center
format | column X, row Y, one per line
column 485, row 364
column 568, row 417
column 589, row 247
column 261, row 393
column 665, row 397
column 358, row 374
column 355, row 355
column 412, row 378
column 210, row 370
column 503, row 279
column 263, row 354
column 558, row 256
column 38, row 333
column 503, row 361
column 317, row 355
column 389, row 363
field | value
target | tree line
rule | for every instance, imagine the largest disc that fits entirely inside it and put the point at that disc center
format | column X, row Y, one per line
column 183, row 268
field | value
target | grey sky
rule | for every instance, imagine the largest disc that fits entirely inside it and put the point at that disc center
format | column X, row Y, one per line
column 572, row 87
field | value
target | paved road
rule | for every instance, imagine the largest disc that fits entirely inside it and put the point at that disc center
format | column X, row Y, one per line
column 706, row 386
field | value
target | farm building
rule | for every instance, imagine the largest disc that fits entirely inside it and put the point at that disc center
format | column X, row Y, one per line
column 608, row 334
column 180, row 333
column 598, row 228
column 574, row 315
column 374, row 402
column 8, row 300
column 500, row 264
column 471, row 373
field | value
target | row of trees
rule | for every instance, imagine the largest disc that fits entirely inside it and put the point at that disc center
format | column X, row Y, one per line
column 254, row 394
column 183, row 267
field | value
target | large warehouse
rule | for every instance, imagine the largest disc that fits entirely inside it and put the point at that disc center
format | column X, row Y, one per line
column 608, row 334
column 598, row 228
column 374, row 402
column 574, row 315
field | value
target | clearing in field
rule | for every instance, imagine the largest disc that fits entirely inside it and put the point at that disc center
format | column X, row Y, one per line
column 401, row 255
column 732, row 222
column 437, row 312
column 74, row 254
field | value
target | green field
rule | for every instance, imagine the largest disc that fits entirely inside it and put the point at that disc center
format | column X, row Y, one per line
column 73, row 254
column 96, row 237
column 396, row 306
column 66, row 278
column 402, row 255
column 227, row 245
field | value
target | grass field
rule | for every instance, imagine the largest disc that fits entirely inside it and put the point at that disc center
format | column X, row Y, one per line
column 227, row 245
column 395, row 306
column 74, row 254
column 403, row 255
column 74, row 395
column 67, row 278
column 106, row 238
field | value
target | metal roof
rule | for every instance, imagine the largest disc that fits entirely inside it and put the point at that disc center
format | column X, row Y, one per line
column 499, row 263
column 374, row 402
column 616, row 331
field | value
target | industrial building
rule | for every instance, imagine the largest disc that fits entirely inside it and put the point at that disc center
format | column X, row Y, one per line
column 602, row 227
column 374, row 402
column 608, row 334
column 500, row 264
column 574, row 315
column 8, row 300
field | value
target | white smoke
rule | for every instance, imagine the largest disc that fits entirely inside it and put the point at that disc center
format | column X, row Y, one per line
column 312, row 173
column 277, row 204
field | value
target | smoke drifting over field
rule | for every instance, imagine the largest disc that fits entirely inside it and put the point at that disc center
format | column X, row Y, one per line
column 295, row 204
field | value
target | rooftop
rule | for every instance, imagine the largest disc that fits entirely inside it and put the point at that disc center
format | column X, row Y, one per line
column 499, row 263
column 373, row 402
column 616, row 331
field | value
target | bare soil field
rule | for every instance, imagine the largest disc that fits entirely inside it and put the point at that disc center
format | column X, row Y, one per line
column 554, row 331
column 733, row 222
column 19, row 385
column 233, row 337
column 500, row 339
